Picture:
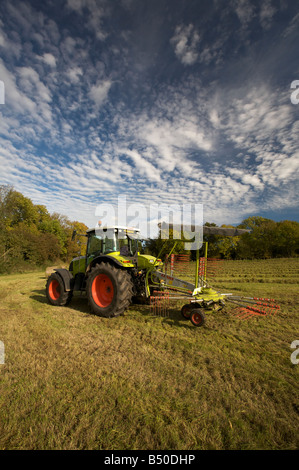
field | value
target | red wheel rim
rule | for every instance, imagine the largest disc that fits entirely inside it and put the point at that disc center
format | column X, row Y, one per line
column 197, row 318
column 102, row 290
column 54, row 289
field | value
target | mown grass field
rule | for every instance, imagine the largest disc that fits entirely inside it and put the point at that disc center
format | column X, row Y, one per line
column 72, row 380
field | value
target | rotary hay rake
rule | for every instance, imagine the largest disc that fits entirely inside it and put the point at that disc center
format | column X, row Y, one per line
column 200, row 295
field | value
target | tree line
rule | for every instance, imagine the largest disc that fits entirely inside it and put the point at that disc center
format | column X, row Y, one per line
column 30, row 236
column 266, row 239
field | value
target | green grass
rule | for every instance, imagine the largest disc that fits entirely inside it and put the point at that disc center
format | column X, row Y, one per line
column 72, row 380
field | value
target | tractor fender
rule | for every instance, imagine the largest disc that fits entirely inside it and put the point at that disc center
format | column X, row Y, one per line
column 67, row 278
column 105, row 259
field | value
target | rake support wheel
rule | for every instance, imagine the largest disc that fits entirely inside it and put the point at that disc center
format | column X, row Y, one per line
column 197, row 317
column 109, row 290
column 186, row 311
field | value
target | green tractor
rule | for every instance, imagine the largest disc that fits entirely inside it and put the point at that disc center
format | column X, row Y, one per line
column 112, row 273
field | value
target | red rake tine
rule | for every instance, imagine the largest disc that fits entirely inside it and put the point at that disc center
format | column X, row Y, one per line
column 244, row 314
column 159, row 303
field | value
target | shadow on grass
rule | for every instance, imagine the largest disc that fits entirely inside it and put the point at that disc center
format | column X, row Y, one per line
column 80, row 304
column 41, row 297
column 173, row 317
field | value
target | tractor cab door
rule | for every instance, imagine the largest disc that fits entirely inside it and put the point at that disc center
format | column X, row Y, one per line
column 94, row 245
column 101, row 243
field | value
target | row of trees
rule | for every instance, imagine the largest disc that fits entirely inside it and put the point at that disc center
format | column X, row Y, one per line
column 267, row 239
column 30, row 236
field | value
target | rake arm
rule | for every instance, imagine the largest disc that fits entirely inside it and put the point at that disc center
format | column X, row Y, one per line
column 254, row 305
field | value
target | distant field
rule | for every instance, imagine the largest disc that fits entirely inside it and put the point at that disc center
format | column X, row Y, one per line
column 72, row 380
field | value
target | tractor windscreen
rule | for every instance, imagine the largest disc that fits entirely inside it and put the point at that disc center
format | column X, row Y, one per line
column 102, row 243
column 113, row 240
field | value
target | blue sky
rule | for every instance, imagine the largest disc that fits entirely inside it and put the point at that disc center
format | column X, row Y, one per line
column 169, row 101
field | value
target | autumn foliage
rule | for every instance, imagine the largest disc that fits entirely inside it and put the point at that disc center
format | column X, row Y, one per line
column 30, row 236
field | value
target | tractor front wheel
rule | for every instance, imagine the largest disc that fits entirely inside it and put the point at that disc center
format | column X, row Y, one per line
column 55, row 291
column 109, row 290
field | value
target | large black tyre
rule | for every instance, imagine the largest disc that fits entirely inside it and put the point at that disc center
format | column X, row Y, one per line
column 109, row 290
column 55, row 291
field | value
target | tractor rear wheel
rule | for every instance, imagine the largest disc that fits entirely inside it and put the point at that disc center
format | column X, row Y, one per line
column 55, row 291
column 109, row 290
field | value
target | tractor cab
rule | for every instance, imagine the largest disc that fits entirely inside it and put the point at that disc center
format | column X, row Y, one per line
column 122, row 241
column 123, row 244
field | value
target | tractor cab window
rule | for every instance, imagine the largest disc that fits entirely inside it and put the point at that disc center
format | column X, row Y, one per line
column 127, row 242
column 134, row 242
column 134, row 245
column 124, row 249
column 109, row 244
column 95, row 244
column 100, row 243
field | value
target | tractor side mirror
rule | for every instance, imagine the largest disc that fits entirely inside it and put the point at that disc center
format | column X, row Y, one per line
column 74, row 235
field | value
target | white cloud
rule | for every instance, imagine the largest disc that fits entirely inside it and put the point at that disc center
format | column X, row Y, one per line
column 277, row 169
column 142, row 166
column 75, row 74
column 261, row 123
column 255, row 114
column 168, row 134
column 99, row 92
column 247, row 178
column 13, row 96
column 49, row 59
column 172, row 139
column 32, row 85
column 185, row 42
